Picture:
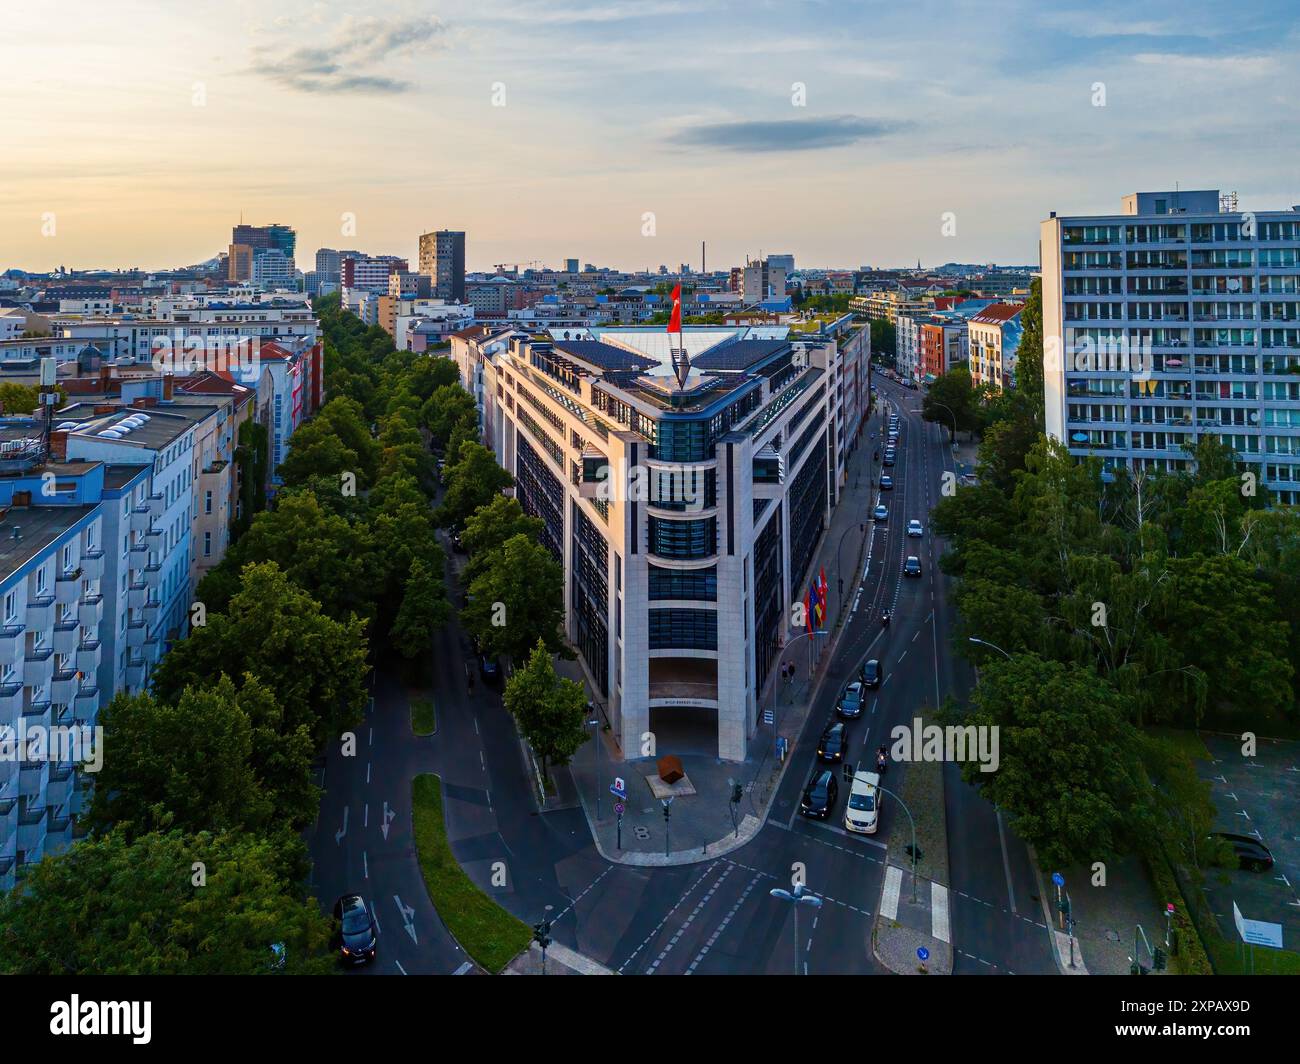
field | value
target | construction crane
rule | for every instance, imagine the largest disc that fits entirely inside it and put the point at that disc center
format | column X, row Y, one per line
column 501, row 267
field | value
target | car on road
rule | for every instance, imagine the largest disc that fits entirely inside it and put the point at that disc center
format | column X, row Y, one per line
column 915, row 530
column 834, row 742
column 912, row 567
column 889, row 457
column 862, row 814
column 886, row 482
column 880, row 513
column 354, row 930
column 852, row 698
column 871, row 673
column 1252, row 855
column 488, row 668
column 819, row 796
column 910, row 384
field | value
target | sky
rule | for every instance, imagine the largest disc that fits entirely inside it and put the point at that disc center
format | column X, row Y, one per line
column 626, row 132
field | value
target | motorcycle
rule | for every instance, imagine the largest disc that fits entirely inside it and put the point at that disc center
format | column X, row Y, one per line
column 884, row 620
column 882, row 760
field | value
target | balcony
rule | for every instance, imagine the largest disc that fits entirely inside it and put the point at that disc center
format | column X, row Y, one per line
column 67, row 634
column 11, row 641
column 153, row 576
column 89, row 655
column 151, row 608
column 92, row 564
column 141, row 520
column 63, row 687
column 38, row 666
column 11, row 700
column 67, row 588
column 87, row 702
column 90, row 610
column 137, row 595
column 157, row 504
column 135, row 671
column 136, row 635
column 33, row 777
column 40, row 612
column 153, row 651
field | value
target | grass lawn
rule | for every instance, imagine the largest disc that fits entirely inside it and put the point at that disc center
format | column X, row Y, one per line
column 488, row 933
column 423, row 718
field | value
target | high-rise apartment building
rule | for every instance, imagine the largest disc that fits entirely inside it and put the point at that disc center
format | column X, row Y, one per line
column 248, row 243
column 1175, row 318
column 442, row 257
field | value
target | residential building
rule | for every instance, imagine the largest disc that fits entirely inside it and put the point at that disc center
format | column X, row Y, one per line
column 369, row 272
column 993, row 337
column 685, row 503
column 760, row 280
column 442, row 257
column 1175, row 318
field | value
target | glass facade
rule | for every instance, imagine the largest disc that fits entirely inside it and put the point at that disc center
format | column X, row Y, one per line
column 683, row 629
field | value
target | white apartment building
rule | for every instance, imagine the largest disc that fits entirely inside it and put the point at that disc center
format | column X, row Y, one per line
column 687, row 516
column 1177, row 317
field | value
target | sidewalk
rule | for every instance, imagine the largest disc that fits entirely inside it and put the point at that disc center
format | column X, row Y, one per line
column 701, row 824
column 911, row 922
column 1106, row 917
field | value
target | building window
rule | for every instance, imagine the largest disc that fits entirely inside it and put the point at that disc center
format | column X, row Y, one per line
column 207, row 544
column 683, row 629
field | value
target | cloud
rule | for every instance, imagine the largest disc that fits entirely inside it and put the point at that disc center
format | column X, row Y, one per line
column 788, row 134
column 1241, row 65
column 340, row 64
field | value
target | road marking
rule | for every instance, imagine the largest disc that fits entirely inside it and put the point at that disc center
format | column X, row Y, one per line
column 889, row 899
column 939, row 913
column 399, row 967
column 659, row 927
column 367, row 771
column 1006, row 859
column 408, row 918
column 699, row 906
column 365, row 866
column 464, row 969
column 338, row 835
column 717, row 932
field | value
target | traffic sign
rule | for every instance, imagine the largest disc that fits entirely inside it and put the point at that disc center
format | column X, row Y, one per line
column 922, row 953
column 769, row 717
column 618, row 808
column 1058, row 879
column 617, row 790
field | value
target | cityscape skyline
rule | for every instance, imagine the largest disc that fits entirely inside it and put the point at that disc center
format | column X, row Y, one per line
column 698, row 127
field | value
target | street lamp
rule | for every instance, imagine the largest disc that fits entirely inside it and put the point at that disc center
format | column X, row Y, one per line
column 594, row 724
column 885, row 790
column 986, row 643
column 950, row 414
column 839, row 564
column 796, row 898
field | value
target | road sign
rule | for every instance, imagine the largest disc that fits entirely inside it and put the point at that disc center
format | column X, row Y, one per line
column 769, row 717
column 616, row 789
column 922, row 953
column 618, row 808
column 1257, row 932
column 1058, row 879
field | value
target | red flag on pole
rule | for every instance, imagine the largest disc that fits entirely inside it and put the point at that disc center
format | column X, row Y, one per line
column 675, row 319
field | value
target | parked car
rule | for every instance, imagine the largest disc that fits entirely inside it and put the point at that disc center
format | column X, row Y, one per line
column 915, row 530
column 889, row 458
column 488, row 668
column 872, row 674
column 880, row 513
column 354, row 930
column 819, row 796
column 886, row 482
column 834, row 742
column 851, row 701
column 1252, row 855
column 912, row 567
column 862, row 814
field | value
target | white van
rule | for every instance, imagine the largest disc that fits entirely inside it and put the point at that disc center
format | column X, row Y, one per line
column 862, row 814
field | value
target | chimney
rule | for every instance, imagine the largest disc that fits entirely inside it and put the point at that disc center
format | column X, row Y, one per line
column 168, row 386
column 59, row 445
column 104, row 408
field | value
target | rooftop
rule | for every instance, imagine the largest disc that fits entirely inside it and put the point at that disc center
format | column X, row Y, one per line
column 38, row 527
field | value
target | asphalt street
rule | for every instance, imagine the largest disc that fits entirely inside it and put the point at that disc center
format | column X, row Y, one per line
column 716, row 916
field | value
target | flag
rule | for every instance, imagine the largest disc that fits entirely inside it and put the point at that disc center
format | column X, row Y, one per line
column 808, row 610
column 675, row 318
column 815, row 601
column 821, row 591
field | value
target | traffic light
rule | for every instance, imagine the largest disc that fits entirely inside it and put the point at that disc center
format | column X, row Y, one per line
column 737, row 793
column 1159, row 960
column 542, row 933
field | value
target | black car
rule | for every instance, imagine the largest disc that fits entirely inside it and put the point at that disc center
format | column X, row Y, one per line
column 488, row 668
column 819, row 796
column 912, row 567
column 354, row 930
column 852, row 698
column 889, row 458
column 872, row 673
column 833, row 743
column 1252, row 855
column 886, row 483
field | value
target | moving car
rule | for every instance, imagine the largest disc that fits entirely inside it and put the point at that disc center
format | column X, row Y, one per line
column 862, row 814
column 915, row 530
column 886, row 483
column 354, row 930
column 820, row 794
column 872, row 673
column 488, row 668
column 889, row 457
column 912, row 567
column 851, row 700
column 833, row 743
column 880, row 513
column 1251, row 854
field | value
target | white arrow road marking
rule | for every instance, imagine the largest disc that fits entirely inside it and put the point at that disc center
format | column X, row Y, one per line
column 389, row 815
column 338, row 835
column 408, row 918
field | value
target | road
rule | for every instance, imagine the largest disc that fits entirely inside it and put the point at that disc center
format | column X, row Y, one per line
column 714, row 917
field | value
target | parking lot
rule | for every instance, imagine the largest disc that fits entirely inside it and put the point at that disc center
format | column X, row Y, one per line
column 1258, row 796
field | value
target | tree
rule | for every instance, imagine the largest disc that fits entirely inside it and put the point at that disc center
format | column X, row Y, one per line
column 18, row 398
column 164, row 904
column 1069, row 775
column 336, row 441
column 884, row 338
column 490, row 526
column 517, row 600
column 472, row 480
column 1029, row 354
column 423, row 612
column 446, row 409
column 951, row 401
column 251, row 453
column 551, row 711
column 315, row 665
